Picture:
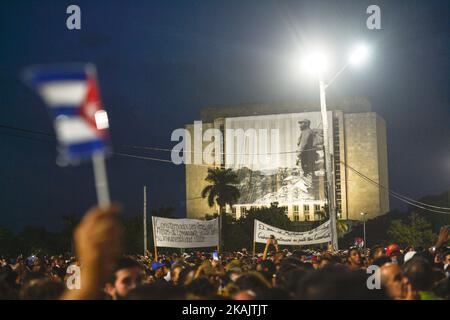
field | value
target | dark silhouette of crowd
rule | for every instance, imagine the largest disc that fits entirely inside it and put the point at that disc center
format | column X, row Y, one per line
column 101, row 271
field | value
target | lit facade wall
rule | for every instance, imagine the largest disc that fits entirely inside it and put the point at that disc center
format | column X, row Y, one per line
column 366, row 153
column 359, row 143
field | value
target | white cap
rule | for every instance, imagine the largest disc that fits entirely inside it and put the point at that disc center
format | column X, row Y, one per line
column 409, row 255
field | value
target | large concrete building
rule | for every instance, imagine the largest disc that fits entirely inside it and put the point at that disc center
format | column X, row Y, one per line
column 359, row 154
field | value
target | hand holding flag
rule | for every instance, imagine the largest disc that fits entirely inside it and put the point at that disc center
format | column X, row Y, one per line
column 81, row 124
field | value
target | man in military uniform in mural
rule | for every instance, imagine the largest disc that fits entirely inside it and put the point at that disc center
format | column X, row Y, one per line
column 306, row 156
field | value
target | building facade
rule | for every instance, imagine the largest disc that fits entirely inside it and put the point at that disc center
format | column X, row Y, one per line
column 359, row 156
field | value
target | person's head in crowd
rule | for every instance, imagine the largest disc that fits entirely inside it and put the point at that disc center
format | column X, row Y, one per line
column 278, row 257
column 234, row 263
column 127, row 274
column 336, row 283
column 329, row 260
column 354, row 258
column 426, row 255
column 233, row 273
column 174, row 257
column 376, row 252
column 20, row 260
column 42, row 289
column 206, row 268
column 393, row 251
column 149, row 274
column 446, row 262
column 186, row 276
column 158, row 269
column 315, row 262
column 307, row 266
column 163, row 270
column 36, row 265
column 247, row 263
column 437, row 275
column 292, row 261
column 201, row 288
column 167, row 265
column 325, row 261
column 267, row 269
column 287, row 276
column 419, row 273
column 8, row 285
column 244, row 295
column 300, row 254
column 57, row 261
column 393, row 280
column 437, row 259
column 381, row 261
column 254, row 282
column 175, row 272
column 442, row 288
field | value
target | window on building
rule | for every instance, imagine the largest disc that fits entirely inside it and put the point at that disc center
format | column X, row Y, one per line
column 306, row 208
column 295, row 209
column 306, row 217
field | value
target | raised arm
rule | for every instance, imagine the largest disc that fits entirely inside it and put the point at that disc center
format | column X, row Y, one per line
column 266, row 249
column 98, row 244
column 443, row 238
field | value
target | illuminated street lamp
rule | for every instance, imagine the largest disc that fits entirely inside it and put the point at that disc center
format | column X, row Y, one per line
column 359, row 55
column 316, row 62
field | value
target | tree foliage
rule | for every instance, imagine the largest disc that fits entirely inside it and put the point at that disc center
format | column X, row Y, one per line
column 33, row 240
column 416, row 232
column 239, row 233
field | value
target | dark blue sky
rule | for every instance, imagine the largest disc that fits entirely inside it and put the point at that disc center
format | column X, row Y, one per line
column 159, row 62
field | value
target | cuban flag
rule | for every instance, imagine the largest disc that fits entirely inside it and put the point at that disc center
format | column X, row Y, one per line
column 73, row 98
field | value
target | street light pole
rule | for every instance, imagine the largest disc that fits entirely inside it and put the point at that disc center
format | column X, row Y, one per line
column 364, row 228
column 328, row 166
column 145, row 220
column 317, row 62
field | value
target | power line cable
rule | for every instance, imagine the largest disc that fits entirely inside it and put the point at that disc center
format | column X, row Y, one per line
column 396, row 195
column 221, row 153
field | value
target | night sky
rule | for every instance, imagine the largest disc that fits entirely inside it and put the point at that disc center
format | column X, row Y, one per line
column 160, row 62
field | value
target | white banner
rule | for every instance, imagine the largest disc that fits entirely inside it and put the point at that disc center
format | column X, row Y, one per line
column 185, row 233
column 320, row 234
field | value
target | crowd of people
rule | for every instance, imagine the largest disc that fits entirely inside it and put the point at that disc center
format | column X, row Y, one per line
column 105, row 273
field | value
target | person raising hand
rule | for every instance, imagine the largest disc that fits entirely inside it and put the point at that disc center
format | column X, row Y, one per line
column 98, row 242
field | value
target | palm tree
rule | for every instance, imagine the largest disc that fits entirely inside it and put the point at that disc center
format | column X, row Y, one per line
column 221, row 191
column 341, row 226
